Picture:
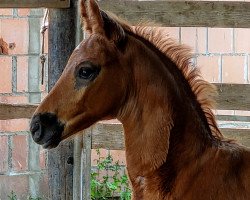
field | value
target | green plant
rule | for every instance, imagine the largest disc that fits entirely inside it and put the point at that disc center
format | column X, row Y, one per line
column 13, row 196
column 106, row 180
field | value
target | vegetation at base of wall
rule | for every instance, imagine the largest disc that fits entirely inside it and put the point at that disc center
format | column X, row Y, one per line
column 107, row 182
column 13, row 196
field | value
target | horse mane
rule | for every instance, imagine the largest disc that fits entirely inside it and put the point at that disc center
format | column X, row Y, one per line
column 181, row 55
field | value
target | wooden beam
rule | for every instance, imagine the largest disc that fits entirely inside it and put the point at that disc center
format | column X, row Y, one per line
column 183, row 13
column 110, row 136
column 62, row 42
column 34, row 3
column 242, row 136
column 233, row 96
column 233, row 118
column 16, row 111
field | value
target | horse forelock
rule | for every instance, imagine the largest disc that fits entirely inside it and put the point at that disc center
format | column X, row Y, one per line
column 181, row 55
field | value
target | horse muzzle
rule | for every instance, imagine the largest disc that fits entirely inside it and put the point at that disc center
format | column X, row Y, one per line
column 46, row 130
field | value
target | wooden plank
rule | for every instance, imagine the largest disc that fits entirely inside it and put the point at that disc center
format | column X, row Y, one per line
column 242, row 136
column 107, row 135
column 78, row 146
column 86, row 165
column 62, row 42
column 34, row 3
column 16, row 111
column 233, row 118
column 183, row 13
column 233, row 96
column 110, row 136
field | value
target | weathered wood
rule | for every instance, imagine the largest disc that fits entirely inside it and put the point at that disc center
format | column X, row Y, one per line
column 242, row 136
column 78, row 146
column 16, row 111
column 61, row 40
column 107, row 135
column 233, row 118
column 78, row 139
column 183, row 13
column 233, row 96
column 110, row 136
column 86, row 165
column 34, row 3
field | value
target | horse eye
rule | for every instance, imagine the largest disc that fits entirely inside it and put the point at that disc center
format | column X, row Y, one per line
column 86, row 72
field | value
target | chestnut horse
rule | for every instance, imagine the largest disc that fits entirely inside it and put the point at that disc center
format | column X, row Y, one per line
column 174, row 149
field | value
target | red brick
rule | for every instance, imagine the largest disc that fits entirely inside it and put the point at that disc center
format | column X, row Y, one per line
column 43, row 158
column 6, row 74
column 14, row 125
column 4, row 153
column 44, row 186
column 23, row 12
column 20, row 152
column 242, row 40
column 209, row 67
column 195, row 38
column 233, row 69
column 22, row 74
column 4, row 11
column 201, row 40
column 13, row 99
column 225, row 112
column 15, row 31
column 118, row 155
column 248, row 75
column 95, row 157
column 219, row 40
column 188, row 37
column 172, row 32
column 18, row 184
column 242, row 112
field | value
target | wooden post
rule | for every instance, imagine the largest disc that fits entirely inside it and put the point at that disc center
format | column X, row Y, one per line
column 86, row 165
column 62, row 41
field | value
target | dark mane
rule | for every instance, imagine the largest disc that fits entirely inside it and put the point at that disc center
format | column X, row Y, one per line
column 204, row 92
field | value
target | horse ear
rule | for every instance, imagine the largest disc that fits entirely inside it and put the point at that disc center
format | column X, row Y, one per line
column 91, row 17
column 97, row 21
column 113, row 30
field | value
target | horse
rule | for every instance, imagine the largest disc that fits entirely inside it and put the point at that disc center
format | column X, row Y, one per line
column 174, row 148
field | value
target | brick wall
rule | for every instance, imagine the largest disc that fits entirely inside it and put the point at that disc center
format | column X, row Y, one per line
column 21, row 169
column 221, row 54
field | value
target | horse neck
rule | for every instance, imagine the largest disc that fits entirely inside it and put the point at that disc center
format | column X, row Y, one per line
column 160, row 120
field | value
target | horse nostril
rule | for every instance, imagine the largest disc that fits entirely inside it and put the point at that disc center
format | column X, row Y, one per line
column 36, row 129
column 37, row 135
column 46, row 129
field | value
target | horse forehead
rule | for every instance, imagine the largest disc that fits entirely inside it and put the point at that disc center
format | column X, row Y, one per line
column 93, row 43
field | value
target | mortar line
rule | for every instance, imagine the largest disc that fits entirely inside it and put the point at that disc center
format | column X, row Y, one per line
column 10, row 147
column 14, row 74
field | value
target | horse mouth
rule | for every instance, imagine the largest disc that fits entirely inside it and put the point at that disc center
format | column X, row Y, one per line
column 51, row 143
column 46, row 130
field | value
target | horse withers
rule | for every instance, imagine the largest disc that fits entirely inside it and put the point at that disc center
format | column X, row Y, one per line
column 174, row 149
